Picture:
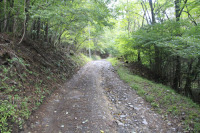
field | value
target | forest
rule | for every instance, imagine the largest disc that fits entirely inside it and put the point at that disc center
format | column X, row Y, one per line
column 162, row 36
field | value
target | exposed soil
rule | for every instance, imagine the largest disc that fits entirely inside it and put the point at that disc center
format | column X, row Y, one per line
column 95, row 100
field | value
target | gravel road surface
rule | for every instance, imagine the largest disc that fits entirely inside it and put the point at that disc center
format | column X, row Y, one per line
column 95, row 100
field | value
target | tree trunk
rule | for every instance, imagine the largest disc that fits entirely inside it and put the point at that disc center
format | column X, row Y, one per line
column 27, row 14
column 33, row 29
column 128, row 19
column 152, row 12
column 14, row 25
column 188, row 85
column 145, row 10
column 177, row 76
column 178, row 11
column 144, row 15
column 15, row 21
column 24, row 31
column 157, row 67
column 9, row 21
column 5, row 15
column 46, row 32
column 38, row 28
column 139, row 57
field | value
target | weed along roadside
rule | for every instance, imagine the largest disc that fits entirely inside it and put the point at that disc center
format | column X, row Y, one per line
column 27, row 77
column 174, row 108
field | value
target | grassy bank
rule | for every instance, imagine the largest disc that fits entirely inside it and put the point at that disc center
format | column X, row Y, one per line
column 163, row 99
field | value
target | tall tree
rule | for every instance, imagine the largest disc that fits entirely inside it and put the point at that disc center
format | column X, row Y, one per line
column 5, row 15
column 153, row 20
column 178, row 12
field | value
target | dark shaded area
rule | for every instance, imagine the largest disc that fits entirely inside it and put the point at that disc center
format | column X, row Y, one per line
column 104, row 56
column 143, row 71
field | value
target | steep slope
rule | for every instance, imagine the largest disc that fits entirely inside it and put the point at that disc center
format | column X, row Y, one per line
column 29, row 72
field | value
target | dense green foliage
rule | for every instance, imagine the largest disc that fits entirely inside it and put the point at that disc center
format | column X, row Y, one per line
column 64, row 24
column 164, row 36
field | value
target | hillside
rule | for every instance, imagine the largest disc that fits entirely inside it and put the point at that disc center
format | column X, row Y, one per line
column 29, row 73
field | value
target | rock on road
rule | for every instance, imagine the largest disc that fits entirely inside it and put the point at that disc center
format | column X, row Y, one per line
column 95, row 100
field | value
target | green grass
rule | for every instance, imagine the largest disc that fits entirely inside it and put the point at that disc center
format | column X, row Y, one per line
column 85, row 58
column 14, row 106
column 81, row 59
column 113, row 61
column 163, row 99
column 96, row 57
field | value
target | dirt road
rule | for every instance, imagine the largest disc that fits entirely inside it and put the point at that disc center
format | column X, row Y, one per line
column 95, row 100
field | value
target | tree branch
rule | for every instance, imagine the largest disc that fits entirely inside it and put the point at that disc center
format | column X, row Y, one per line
column 185, row 2
column 190, row 17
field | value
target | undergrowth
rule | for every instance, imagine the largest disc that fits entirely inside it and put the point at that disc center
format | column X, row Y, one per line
column 163, row 99
column 15, row 104
column 23, row 90
column 113, row 61
column 95, row 57
column 81, row 59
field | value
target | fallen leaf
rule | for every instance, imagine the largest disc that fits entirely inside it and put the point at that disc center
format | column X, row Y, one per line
column 101, row 131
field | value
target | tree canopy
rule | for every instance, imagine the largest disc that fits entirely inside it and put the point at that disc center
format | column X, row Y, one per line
column 162, row 35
